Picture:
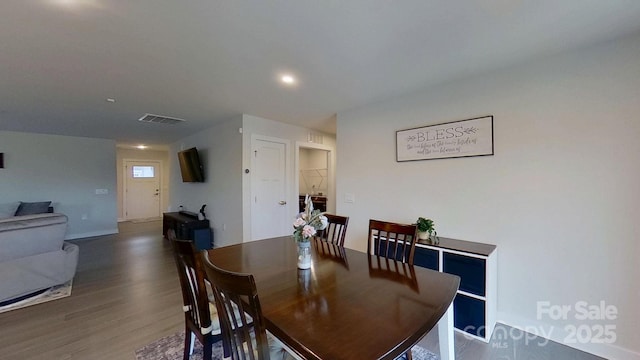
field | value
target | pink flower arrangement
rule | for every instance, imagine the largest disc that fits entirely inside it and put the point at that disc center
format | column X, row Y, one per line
column 308, row 222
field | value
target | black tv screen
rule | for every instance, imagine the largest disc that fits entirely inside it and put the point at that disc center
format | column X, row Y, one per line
column 190, row 166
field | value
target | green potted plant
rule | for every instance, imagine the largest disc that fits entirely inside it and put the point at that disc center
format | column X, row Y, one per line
column 425, row 229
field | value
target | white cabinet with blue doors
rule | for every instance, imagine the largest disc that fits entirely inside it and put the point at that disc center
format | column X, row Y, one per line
column 474, row 308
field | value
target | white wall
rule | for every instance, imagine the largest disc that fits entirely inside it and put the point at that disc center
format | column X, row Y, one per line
column 220, row 150
column 135, row 154
column 560, row 198
column 66, row 170
column 296, row 135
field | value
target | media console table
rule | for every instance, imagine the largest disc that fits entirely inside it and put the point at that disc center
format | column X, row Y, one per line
column 187, row 227
column 474, row 308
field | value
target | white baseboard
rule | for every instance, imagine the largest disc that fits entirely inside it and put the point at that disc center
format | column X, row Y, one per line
column 559, row 335
column 91, row 234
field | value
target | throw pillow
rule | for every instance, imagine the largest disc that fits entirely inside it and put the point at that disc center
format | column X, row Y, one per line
column 30, row 208
column 8, row 210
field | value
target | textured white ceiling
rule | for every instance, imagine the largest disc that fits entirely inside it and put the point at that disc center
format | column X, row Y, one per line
column 205, row 61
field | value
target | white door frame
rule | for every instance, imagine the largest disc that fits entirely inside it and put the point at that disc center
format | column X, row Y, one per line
column 331, row 205
column 287, row 179
column 125, row 185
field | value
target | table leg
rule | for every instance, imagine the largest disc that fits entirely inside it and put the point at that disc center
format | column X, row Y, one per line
column 445, row 335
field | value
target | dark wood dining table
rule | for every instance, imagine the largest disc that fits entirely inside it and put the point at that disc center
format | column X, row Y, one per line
column 349, row 305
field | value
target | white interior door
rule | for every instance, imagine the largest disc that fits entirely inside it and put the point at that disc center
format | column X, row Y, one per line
column 142, row 190
column 269, row 208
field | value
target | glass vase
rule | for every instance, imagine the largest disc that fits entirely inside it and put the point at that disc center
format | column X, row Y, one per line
column 304, row 255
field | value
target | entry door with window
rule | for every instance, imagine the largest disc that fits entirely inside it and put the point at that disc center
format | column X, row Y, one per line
column 142, row 190
column 269, row 209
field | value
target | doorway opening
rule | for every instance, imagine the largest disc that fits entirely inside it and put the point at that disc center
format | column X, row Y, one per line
column 315, row 177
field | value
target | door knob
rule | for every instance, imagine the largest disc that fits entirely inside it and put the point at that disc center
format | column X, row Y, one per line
column 282, row 202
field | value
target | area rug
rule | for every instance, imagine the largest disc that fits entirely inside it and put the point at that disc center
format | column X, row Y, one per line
column 171, row 348
column 54, row 293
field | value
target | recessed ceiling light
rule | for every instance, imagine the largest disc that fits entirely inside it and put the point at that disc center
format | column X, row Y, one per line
column 65, row 2
column 141, row 147
column 111, row 100
column 74, row 3
column 288, row 79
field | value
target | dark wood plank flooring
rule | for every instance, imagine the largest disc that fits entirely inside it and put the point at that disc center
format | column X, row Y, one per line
column 126, row 295
column 508, row 343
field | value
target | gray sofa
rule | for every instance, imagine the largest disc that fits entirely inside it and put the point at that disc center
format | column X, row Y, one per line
column 34, row 255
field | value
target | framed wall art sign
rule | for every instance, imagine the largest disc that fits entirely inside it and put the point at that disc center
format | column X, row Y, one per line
column 463, row 138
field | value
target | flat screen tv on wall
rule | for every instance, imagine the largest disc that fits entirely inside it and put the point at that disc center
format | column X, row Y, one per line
column 190, row 166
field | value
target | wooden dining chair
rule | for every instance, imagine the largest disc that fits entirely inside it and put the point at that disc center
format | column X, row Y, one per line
column 392, row 240
column 396, row 243
column 241, row 320
column 200, row 316
column 335, row 230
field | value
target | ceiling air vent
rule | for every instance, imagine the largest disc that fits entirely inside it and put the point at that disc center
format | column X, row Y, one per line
column 159, row 119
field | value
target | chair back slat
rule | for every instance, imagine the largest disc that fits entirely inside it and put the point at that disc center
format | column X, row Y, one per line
column 336, row 229
column 199, row 321
column 241, row 320
column 392, row 240
column 191, row 274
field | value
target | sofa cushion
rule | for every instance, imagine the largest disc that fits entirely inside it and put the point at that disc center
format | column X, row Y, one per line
column 8, row 209
column 28, row 274
column 29, row 208
column 28, row 235
column 30, row 221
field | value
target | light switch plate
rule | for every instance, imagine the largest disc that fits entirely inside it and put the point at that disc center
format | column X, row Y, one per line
column 349, row 198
